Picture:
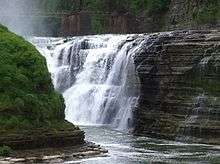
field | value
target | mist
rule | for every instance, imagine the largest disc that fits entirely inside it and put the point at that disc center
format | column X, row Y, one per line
column 15, row 14
column 26, row 18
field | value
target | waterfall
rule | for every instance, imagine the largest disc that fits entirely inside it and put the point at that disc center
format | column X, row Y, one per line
column 96, row 75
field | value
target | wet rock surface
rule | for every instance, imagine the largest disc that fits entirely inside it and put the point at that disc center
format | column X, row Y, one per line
column 41, row 138
column 55, row 155
column 180, row 86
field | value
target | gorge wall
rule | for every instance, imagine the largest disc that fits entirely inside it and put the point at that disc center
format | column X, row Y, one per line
column 85, row 17
column 179, row 81
column 180, row 86
column 178, row 15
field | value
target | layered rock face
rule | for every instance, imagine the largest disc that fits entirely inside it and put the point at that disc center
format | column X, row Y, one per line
column 43, row 138
column 180, row 87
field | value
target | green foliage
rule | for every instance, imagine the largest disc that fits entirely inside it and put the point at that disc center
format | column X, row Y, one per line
column 101, row 7
column 158, row 6
column 209, row 86
column 58, row 5
column 27, row 95
column 97, row 5
column 21, row 124
column 98, row 23
column 3, row 28
column 15, row 122
column 134, row 6
column 209, row 13
column 137, row 6
column 151, row 6
column 5, row 151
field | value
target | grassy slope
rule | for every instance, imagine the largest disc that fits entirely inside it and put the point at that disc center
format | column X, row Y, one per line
column 27, row 96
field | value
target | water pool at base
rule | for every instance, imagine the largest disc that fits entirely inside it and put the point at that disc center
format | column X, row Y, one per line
column 128, row 149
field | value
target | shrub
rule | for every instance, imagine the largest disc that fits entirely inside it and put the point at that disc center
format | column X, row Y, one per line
column 209, row 13
column 152, row 6
column 27, row 94
column 5, row 151
column 98, row 23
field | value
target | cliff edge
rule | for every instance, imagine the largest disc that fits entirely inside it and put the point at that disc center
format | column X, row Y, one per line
column 180, row 86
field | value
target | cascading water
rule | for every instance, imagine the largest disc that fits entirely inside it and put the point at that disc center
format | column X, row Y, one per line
column 96, row 75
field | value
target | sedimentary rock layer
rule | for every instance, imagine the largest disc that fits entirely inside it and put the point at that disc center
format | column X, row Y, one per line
column 180, row 86
column 41, row 138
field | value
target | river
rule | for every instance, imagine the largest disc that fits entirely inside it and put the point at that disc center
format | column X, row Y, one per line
column 128, row 149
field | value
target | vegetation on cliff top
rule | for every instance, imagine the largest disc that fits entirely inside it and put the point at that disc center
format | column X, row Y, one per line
column 5, row 151
column 208, row 13
column 101, row 7
column 27, row 96
column 153, row 12
column 135, row 7
column 105, row 5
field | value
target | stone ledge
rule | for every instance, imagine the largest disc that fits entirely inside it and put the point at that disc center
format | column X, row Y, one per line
column 55, row 155
column 43, row 139
column 175, row 85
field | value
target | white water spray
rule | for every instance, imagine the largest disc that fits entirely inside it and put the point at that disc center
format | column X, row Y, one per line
column 96, row 75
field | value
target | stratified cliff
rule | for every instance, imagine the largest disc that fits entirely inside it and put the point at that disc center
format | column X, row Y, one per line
column 180, row 87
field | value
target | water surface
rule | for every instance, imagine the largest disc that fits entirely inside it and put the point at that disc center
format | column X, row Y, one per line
column 128, row 149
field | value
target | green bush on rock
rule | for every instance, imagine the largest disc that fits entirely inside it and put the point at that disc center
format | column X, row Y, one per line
column 5, row 151
column 208, row 13
column 27, row 96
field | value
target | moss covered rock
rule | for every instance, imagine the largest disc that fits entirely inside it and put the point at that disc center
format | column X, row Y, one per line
column 28, row 100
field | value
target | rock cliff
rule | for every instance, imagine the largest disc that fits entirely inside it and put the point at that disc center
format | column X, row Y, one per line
column 172, row 15
column 180, row 86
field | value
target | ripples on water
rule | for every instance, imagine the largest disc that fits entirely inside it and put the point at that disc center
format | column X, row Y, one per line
column 127, row 149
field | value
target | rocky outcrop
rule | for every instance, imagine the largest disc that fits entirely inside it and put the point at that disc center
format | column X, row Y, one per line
column 55, row 155
column 43, row 138
column 180, row 86
column 31, row 111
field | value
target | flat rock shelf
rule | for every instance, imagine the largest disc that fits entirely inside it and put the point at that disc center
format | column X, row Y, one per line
column 55, row 155
column 41, row 138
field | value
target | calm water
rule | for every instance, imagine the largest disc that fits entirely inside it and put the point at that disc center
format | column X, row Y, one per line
column 127, row 149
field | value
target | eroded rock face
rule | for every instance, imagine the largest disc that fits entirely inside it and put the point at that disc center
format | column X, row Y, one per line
column 180, row 87
column 43, row 138
column 55, row 154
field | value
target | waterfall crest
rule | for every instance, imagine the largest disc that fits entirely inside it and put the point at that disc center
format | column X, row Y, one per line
column 96, row 75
